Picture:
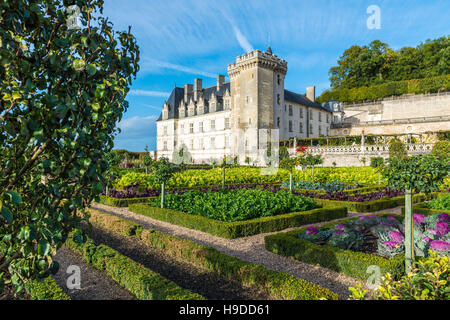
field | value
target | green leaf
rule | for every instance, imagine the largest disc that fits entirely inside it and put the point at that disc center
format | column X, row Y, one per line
column 91, row 69
column 79, row 64
column 43, row 248
column 7, row 215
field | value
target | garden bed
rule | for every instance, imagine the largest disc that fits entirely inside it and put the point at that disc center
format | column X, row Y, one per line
column 232, row 230
column 352, row 246
column 45, row 289
column 277, row 285
column 424, row 208
column 371, row 206
column 143, row 283
column 349, row 262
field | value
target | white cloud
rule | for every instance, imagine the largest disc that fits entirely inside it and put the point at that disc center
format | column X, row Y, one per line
column 152, row 64
column 243, row 42
column 148, row 93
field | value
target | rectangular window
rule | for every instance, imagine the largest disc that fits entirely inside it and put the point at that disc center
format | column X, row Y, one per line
column 191, row 127
column 227, row 142
column 200, row 127
column 320, row 116
column 191, row 144
column 182, row 128
column 290, row 126
column 328, row 118
column 165, row 146
column 320, row 130
column 165, row 131
column 213, row 125
column 291, row 113
column 311, row 129
column 310, row 115
column 202, row 144
column 301, row 127
column 213, row 143
column 227, row 123
column 301, row 113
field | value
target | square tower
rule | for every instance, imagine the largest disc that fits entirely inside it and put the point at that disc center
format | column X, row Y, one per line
column 257, row 91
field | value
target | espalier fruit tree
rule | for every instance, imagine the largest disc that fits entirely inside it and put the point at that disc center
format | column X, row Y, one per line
column 422, row 173
column 64, row 76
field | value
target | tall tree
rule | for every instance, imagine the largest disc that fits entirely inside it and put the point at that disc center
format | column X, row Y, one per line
column 63, row 90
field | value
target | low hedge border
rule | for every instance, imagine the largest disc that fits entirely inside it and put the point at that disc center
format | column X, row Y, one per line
column 278, row 285
column 144, row 283
column 122, row 203
column 350, row 191
column 45, row 289
column 371, row 206
column 420, row 208
column 349, row 262
column 232, row 230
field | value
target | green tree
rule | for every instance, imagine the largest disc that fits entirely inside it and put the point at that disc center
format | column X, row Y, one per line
column 414, row 174
column 283, row 152
column 441, row 149
column 162, row 172
column 113, row 159
column 62, row 92
column 312, row 161
column 397, row 149
column 377, row 163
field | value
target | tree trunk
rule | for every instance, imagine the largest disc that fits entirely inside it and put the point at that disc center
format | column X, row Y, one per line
column 107, row 191
column 162, row 194
column 223, row 178
column 290, row 180
column 146, row 170
column 409, row 233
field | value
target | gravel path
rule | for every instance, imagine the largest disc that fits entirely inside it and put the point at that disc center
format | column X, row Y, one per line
column 250, row 249
column 95, row 285
column 206, row 283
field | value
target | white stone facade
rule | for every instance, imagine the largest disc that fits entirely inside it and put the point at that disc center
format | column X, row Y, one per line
column 227, row 119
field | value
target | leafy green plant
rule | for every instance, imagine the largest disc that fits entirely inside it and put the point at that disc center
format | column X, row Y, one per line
column 439, row 204
column 441, row 149
column 416, row 173
column 397, row 149
column 162, row 172
column 62, row 92
column 237, row 205
column 428, row 280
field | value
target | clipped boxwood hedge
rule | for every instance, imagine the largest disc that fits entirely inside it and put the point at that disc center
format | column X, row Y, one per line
column 349, row 262
column 45, row 289
column 371, row 206
column 278, row 285
column 232, row 230
column 350, row 191
column 121, row 203
column 144, row 283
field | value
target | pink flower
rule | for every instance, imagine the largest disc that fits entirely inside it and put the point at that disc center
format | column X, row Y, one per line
column 427, row 239
column 340, row 226
column 418, row 218
column 373, row 216
column 442, row 228
column 363, row 218
column 439, row 246
column 339, row 232
column 433, row 232
column 396, row 236
column 444, row 217
column 390, row 244
column 312, row 230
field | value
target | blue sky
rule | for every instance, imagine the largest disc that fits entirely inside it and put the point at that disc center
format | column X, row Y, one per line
column 185, row 39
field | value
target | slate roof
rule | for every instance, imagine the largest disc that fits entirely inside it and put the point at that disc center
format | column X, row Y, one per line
column 177, row 96
column 303, row 100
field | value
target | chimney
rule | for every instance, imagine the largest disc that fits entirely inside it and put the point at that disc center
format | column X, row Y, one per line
column 197, row 88
column 187, row 91
column 220, row 81
column 311, row 93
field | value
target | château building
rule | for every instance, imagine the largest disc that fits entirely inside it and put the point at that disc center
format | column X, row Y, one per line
column 227, row 119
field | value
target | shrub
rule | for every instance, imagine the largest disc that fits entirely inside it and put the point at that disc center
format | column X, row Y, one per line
column 232, row 230
column 237, row 205
column 439, row 204
column 140, row 281
column 277, row 284
column 429, row 280
column 45, row 289
column 441, row 149
column 397, row 149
